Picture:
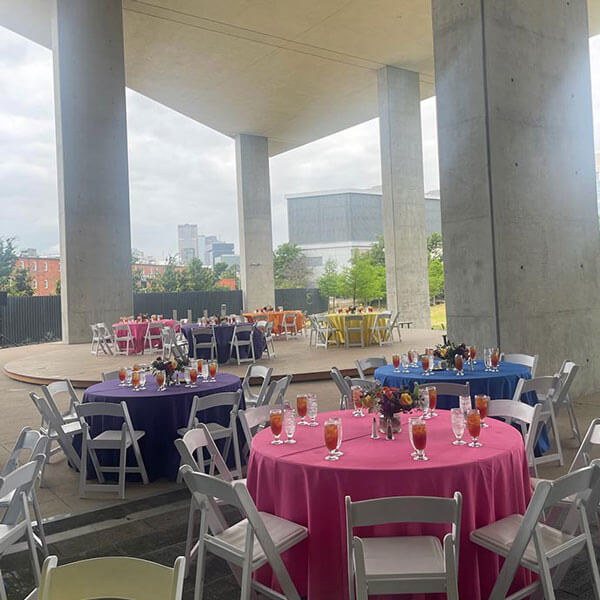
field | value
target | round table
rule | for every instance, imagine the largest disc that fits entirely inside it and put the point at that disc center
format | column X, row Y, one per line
column 223, row 337
column 338, row 319
column 276, row 317
column 160, row 415
column 296, row 483
column 138, row 330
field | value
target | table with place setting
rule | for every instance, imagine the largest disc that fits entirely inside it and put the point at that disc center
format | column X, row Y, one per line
column 160, row 413
column 338, row 319
column 139, row 328
column 306, row 482
column 276, row 317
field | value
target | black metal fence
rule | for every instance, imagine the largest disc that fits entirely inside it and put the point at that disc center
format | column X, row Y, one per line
column 28, row 320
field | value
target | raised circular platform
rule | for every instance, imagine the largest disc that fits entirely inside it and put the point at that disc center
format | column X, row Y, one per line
column 44, row 363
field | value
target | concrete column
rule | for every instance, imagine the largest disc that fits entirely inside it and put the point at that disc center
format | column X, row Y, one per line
column 404, row 228
column 519, row 213
column 91, row 138
column 254, row 214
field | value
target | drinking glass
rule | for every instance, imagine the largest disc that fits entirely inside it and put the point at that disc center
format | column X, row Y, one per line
column 331, row 438
column 205, row 376
column 458, row 425
column 122, row 376
column 419, row 437
column 474, row 427
column 289, row 424
column 495, row 359
column 135, row 379
column 302, row 408
column 458, row 361
column 128, row 376
column 415, row 359
column 432, row 400
column 425, row 364
column 465, row 404
column 487, row 359
column 188, row 377
column 396, row 363
column 193, row 377
column 142, row 380
column 160, row 380
column 276, row 422
column 357, row 393
column 472, row 355
column 313, row 409
column 405, row 363
column 200, row 367
column 481, row 404
column 338, row 420
column 212, row 370
column 136, row 367
column 424, row 398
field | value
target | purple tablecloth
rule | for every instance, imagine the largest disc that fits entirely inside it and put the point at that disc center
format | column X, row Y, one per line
column 160, row 415
column 223, row 336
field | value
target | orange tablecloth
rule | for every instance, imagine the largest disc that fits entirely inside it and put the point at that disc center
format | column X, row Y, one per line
column 276, row 317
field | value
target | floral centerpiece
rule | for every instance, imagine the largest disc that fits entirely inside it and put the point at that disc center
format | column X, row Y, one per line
column 169, row 367
column 449, row 351
column 389, row 402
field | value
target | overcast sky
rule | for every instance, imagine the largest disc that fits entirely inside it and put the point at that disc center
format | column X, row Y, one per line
column 173, row 161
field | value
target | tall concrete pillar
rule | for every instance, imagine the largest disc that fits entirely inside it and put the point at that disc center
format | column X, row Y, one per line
column 91, row 139
column 254, row 214
column 404, row 229
column 519, row 214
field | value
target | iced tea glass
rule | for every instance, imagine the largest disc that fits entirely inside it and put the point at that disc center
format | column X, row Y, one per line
column 474, row 427
column 193, row 377
column 425, row 364
column 135, row 380
column 200, row 367
column 160, row 380
column 481, row 404
column 276, row 422
column 122, row 376
column 432, row 400
column 458, row 361
column 472, row 355
column 396, row 362
column 356, row 393
column 331, row 438
column 495, row 359
column 418, row 437
column 457, row 417
column 212, row 370
column 302, row 408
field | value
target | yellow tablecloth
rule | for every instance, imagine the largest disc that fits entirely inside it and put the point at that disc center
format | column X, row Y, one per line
column 337, row 320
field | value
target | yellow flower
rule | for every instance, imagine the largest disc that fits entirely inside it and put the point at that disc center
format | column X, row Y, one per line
column 443, row 352
column 406, row 399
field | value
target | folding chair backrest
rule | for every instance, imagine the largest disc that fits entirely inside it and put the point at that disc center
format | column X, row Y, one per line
column 257, row 371
column 544, row 387
column 52, row 390
column 104, row 409
column 339, row 381
column 452, row 389
column 252, row 419
column 109, row 375
column 18, row 482
column 364, row 364
column 111, row 577
column 205, row 331
column 365, row 384
column 203, row 486
column 43, row 408
column 526, row 360
column 567, row 375
column 583, row 482
column 202, row 403
column 193, row 443
column 243, row 328
column 276, row 391
column 29, row 444
column 583, row 457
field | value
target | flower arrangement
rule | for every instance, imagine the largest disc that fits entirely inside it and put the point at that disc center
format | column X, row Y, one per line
column 449, row 351
column 388, row 402
column 169, row 367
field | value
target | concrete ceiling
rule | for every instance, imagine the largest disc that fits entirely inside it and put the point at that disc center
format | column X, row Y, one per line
column 291, row 70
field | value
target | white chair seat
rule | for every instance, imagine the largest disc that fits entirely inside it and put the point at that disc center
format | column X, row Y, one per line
column 113, row 436
column 501, row 534
column 420, row 556
column 216, row 431
column 284, row 534
column 72, row 428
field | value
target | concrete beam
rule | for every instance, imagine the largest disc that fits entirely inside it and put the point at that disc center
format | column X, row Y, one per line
column 91, row 138
column 519, row 213
column 254, row 214
column 404, row 228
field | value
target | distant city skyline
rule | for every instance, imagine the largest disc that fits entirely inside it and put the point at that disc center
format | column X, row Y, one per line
column 180, row 170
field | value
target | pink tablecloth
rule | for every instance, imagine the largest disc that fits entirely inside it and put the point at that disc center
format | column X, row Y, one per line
column 138, row 330
column 294, row 482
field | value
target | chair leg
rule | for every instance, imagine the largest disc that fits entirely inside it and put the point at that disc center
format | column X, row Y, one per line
column 96, row 464
column 122, row 472
column 189, row 540
column 201, row 560
column 83, row 467
column 40, row 523
column 2, row 588
column 31, row 543
column 556, row 437
column 573, row 420
column 140, row 462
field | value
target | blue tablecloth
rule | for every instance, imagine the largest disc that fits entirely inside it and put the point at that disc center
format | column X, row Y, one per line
column 496, row 385
column 160, row 415
column 223, row 336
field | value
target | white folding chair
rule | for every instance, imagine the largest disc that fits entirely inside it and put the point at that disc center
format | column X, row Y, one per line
column 380, row 332
column 95, row 339
column 203, row 338
column 191, row 449
column 252, row 421
column 29, row 445
column 342, row 386
column 106, row 338
column 109, row 375
column 267, row 329
column 403, row 564
column 365, row 364
column 124, row 340
column 256, row 372
column 567, row 374
column 16, row 521
column 258, row 539
column 542, row 547
column 52, row 393
column 153, row 337
column 276, row 391
column 527, row 417
column 167, row 342
column 527, row 360
column 546, row 389
column 57, row 430
column 110, row 439
column 365, row 384
column 288, row 324
column 111, row 577
column 246, row 331
column 452, row 389
column 354, row 324
column 325, row 332
column 394, row 324
column 229, row 433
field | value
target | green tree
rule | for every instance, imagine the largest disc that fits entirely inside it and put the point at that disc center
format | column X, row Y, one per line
column 57, row 288
column 329, row 283
column 219, row 270
column 376, row 253
column 290, row 267
column 361, row 280
column 8, row 260
column 167, row 281
column 20, row 283
column 138, row 281
column 435, row 250
column 436, row 280
column 195, row 277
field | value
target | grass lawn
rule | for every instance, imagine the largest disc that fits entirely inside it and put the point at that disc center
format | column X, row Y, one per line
column 438, row 316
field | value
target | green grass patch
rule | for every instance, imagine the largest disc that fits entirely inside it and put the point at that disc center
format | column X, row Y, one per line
column 438, row 316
